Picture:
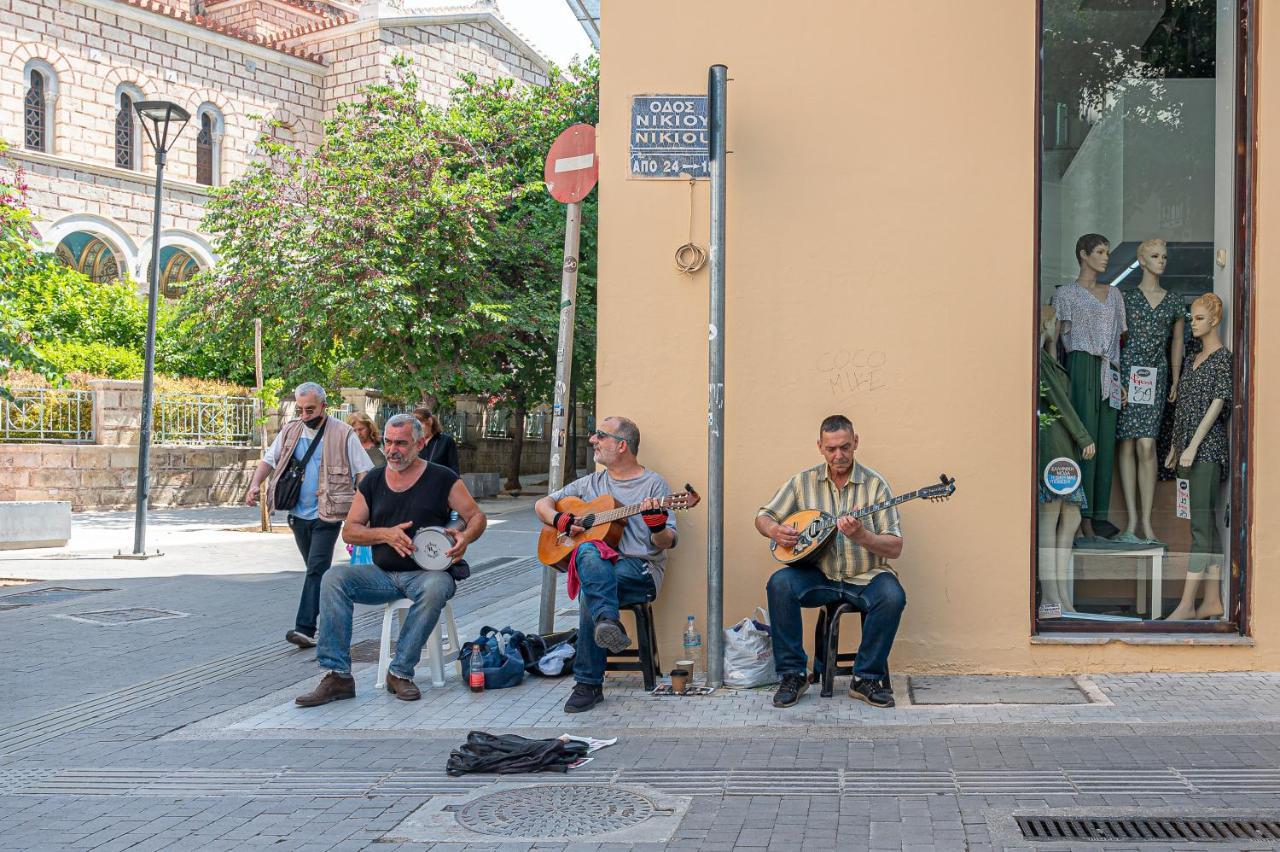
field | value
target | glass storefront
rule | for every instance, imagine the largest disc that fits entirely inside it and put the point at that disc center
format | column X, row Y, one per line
column 1136, row 292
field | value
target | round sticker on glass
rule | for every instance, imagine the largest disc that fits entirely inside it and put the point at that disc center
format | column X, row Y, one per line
column 1062, row 476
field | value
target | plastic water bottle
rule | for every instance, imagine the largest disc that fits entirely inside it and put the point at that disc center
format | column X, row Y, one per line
column 475, row 675
column 693, row 648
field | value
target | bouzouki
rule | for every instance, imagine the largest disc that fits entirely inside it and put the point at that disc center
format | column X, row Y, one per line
column 816, row 526
column 602, row 519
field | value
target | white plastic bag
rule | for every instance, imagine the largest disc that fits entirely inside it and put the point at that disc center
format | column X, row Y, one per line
column 748, row 653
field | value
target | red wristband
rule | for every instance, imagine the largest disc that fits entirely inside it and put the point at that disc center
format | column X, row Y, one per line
column 655, row 520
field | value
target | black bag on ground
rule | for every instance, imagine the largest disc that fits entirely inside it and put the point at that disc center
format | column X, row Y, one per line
column 533, row 647
column 289, row 485
column 508, row 754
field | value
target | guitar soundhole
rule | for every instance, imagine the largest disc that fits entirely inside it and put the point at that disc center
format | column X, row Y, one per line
column 564, row 540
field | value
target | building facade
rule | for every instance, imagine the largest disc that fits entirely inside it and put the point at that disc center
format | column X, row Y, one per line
column 241, row 68
column 908, row 229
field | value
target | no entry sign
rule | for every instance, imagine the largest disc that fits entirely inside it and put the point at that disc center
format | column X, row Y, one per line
column 571, row 169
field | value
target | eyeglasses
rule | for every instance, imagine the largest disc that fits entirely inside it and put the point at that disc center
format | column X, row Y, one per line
column 601, row 435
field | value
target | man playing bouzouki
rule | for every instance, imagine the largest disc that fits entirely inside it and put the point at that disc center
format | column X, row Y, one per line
column 636, row 574
column 854, row 567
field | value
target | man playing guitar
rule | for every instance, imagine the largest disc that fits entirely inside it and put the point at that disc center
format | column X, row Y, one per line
column 853, row 568
column 637, row 573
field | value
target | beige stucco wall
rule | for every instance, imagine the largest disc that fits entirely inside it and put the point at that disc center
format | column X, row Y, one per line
column 881, row 203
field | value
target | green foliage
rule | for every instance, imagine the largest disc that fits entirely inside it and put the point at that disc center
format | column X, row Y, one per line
column 19, row 265
column 269, row 396
column 95, row 358
column 415, row 249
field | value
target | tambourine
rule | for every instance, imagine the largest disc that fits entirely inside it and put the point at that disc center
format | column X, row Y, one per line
column 430, row 544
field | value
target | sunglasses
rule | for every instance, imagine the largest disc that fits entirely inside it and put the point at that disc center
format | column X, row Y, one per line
column 601, row 435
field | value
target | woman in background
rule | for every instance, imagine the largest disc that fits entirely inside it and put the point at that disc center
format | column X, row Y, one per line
column 367, row 431
column 440, row 447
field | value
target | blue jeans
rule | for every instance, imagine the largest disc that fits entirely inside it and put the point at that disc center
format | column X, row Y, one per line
column 346, row 585
column 605, row 586
column 792, row 588
column 315, row 539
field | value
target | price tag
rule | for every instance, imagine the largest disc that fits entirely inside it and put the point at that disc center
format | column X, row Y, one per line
column 1184, row 499
column 1142, row 385
column 1113, row 390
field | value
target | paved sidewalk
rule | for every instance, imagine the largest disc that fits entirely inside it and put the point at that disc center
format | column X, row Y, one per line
column 177, row 730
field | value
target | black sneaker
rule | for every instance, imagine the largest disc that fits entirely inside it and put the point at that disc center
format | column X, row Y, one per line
column 584, row 697
column 871, row 691
column 611, row 635
column 789, row 692
column 300, row 639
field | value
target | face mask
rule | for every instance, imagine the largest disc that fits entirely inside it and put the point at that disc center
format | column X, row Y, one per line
column 314, row 422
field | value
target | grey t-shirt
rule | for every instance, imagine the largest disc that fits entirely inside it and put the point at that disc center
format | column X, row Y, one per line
column 635, row 535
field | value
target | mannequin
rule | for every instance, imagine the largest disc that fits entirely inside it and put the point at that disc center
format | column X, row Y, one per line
column 1201, row 452
column 1091, row 320
column 1061, row 431
column 1154, row 340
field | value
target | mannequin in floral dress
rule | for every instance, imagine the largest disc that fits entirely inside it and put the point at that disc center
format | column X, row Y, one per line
column 1154, row 342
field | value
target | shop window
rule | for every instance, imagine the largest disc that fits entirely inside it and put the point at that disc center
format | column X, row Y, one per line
column 1139, row 338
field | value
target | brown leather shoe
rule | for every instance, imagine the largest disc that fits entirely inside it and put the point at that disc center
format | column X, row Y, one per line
column 332, row 687
column 405, row 690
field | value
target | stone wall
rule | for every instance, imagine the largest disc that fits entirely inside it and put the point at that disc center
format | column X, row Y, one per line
column 98, row 477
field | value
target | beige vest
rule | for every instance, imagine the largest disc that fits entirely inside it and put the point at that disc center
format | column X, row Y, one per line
column 335, row 491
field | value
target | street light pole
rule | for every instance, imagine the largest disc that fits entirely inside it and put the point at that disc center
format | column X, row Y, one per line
column 160, row 114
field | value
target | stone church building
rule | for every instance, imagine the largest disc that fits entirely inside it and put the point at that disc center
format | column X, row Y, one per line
column 72, row 69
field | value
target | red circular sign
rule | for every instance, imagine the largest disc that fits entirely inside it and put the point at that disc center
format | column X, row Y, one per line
column 572, row 168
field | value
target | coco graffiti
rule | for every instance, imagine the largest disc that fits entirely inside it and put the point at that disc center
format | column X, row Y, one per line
column 853, row 371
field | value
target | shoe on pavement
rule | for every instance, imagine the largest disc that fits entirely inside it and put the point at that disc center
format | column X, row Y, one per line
column 584, row 697
column 871, row 691
column 300, row 639
column 611, row 635
column 403, row 688
column 790, row 690
column 332, row 687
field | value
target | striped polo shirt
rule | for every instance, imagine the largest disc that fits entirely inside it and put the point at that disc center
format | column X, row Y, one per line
column 813, row 489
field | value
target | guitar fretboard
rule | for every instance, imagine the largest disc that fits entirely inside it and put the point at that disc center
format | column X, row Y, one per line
column 877, row 507
column 627, row 511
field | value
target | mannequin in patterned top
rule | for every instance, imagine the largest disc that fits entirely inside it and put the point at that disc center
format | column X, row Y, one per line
column 1201, row 450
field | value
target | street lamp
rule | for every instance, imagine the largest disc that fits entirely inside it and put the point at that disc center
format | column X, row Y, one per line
column 158, row 117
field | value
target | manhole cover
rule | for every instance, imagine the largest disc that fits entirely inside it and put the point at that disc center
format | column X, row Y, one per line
column 115, row 617
column 52, row 594
column 366, row 651
column 555, row 811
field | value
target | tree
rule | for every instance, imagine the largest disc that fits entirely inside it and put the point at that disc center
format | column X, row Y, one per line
column 373, row 258
column 415, row 249
column 20, row 264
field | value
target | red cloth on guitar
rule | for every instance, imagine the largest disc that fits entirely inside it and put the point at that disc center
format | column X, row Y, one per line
column 607, row 553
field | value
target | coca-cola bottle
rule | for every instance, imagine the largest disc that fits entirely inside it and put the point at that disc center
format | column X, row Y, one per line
column 475, row 677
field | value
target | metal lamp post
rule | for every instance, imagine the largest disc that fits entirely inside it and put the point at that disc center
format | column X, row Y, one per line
column 158, row 120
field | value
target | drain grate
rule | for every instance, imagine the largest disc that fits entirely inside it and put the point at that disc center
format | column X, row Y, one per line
column 117, row 617
column 366, row 650
column 555, row 811
column 52, row 594
column 1147, row 830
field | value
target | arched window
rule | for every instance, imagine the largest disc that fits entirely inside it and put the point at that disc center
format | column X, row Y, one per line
column 33, row 113
column 209, row 145
column 37, row 106
column 125, row 133
column 128, row 139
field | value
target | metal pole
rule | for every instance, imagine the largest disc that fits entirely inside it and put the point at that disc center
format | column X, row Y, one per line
column 560, row 411
column 717, row 92
column 148, row 375
column 262, row 429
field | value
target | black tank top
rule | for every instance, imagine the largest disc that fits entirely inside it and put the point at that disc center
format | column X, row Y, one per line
column 425, row 503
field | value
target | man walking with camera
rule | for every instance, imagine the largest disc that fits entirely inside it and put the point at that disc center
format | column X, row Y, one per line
column 311, row 471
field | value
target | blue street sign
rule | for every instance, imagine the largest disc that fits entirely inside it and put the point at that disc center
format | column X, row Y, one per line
column 669, row 136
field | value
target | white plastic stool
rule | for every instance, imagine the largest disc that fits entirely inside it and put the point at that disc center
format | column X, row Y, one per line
column 437, row 644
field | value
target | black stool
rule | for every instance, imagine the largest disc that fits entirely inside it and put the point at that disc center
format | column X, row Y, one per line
column 826, row 646
column 644, row 657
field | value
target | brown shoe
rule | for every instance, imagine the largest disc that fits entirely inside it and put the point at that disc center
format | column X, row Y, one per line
column 405, row 690
column 332, row 687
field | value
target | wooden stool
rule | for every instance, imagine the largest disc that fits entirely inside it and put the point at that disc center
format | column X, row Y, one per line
column 644, row 657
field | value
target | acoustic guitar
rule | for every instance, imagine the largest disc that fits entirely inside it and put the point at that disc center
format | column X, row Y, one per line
column 816, row 526
column 602, row 519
